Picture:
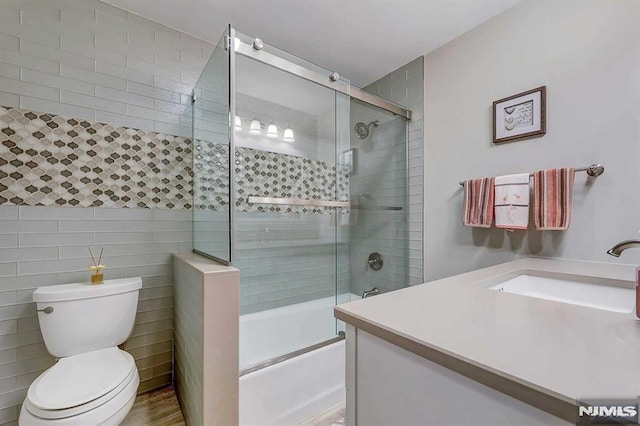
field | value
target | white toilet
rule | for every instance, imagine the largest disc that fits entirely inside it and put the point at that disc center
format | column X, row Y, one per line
column 94, row 382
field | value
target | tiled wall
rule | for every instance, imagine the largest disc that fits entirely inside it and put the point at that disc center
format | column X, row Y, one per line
column 406, row 87
column 86, row 60
column 49, row 160
column 379, row 181
column 288, row 258
column 43, row 246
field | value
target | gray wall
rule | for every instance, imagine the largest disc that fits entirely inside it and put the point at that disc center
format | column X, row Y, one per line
column 587, row 53
column 405, row 86
column 88, row 60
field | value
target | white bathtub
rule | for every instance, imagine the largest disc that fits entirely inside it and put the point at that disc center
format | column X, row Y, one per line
column 295, row 390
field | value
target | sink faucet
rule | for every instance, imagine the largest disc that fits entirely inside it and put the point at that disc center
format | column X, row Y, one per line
column 622, row 246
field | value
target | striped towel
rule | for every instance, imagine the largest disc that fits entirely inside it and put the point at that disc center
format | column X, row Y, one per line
column 553, row 199
column 478, row 203
column 512, row 201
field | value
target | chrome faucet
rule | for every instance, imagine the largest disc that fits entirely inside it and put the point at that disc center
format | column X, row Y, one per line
column 368, row 293
column 617, row 250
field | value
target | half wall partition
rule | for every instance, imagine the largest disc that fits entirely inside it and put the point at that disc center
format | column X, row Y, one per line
column 290, row 190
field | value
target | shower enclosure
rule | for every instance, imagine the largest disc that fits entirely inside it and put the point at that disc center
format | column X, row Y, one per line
column 289, row 189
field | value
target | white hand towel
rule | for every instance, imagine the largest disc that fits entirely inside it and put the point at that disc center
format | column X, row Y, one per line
column 512, row 201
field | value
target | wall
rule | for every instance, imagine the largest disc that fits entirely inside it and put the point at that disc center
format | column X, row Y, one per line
column 87, row 61
column 405, row 86
column 379, row 178
column 587, row 53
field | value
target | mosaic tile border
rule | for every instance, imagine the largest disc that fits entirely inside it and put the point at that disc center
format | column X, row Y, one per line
column 264, row 174
column 49, row 160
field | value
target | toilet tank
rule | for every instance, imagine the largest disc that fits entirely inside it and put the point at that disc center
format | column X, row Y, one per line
column 79, row 318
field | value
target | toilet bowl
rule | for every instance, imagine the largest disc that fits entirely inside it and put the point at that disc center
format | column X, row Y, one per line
column 96, row 388
column 94, row 382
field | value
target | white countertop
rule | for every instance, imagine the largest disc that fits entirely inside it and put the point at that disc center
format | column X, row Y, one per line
column 565, row 351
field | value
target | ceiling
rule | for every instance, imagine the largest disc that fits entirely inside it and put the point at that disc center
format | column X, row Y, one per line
column 361, row 39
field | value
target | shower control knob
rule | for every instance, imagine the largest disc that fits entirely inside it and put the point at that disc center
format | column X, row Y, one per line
column 374, row 261
column 334, row 76
column 258, row 44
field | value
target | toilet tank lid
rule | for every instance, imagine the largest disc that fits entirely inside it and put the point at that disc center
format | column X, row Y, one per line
column 63, row 292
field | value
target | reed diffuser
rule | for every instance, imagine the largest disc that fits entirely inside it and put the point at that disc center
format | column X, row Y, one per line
column 98, row 276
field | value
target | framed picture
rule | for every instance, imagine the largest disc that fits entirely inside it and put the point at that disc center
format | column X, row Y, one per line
column 520, row 116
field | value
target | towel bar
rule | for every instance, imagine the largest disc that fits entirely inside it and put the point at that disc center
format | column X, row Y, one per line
column 593, row 170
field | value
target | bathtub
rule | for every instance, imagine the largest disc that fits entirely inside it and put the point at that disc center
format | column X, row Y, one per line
column 292, row 391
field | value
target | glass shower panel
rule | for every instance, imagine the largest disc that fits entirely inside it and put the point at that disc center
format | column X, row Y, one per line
column 210, row 114
column 284, row 235
column 378, row 187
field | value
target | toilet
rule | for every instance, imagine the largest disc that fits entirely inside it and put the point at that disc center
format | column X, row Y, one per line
column 93, row 382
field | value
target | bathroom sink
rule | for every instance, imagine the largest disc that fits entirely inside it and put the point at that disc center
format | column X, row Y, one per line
column 605, row 297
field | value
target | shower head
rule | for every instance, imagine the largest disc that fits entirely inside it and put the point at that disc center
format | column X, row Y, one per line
column 362, row 130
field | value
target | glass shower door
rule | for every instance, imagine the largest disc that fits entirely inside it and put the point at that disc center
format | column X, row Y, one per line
column 288, row 200
column 211, row 177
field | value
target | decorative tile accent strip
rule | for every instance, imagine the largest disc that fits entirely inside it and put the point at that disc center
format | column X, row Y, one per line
column 211, row 176
column 48, row 160
column 264, row 174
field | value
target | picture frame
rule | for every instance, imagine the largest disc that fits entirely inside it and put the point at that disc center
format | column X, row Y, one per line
column 521, row 116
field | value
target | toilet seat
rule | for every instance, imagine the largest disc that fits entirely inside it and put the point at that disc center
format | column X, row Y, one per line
column 80, row 383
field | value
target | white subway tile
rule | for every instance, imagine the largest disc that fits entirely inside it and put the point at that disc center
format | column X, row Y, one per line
column 54, row 81
column 123, row 214
column 13, row 226
column 19, row 283
column 152, row 69
column 89, row 50
column 9, row 99
column 167, row 117
column 57, row 239
column 8, row 212
column 31, row 253
column 91, row 102
column 8, row 240
column 193, row 57
column 122, row 96
column 147, row 271
column 181, row 215
column 168, row 38
column 63, row 213
column 82, row 276
column 136, row 111
column 56, row 55
column 172, row 85
column 35, row 15
column 75, row 39
column 52, row 266
column 92, row 77
column 124, row 120
column 30, row 33
column 10, row 14
column 115, row 18
column 91, row 226
column 153, row 92
column 9, row 42
column 8, row 269
column 123, row 237
column 8, row 298
column 28, row 89
column 58, row 108
column 172, row 129
column 125, row 73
